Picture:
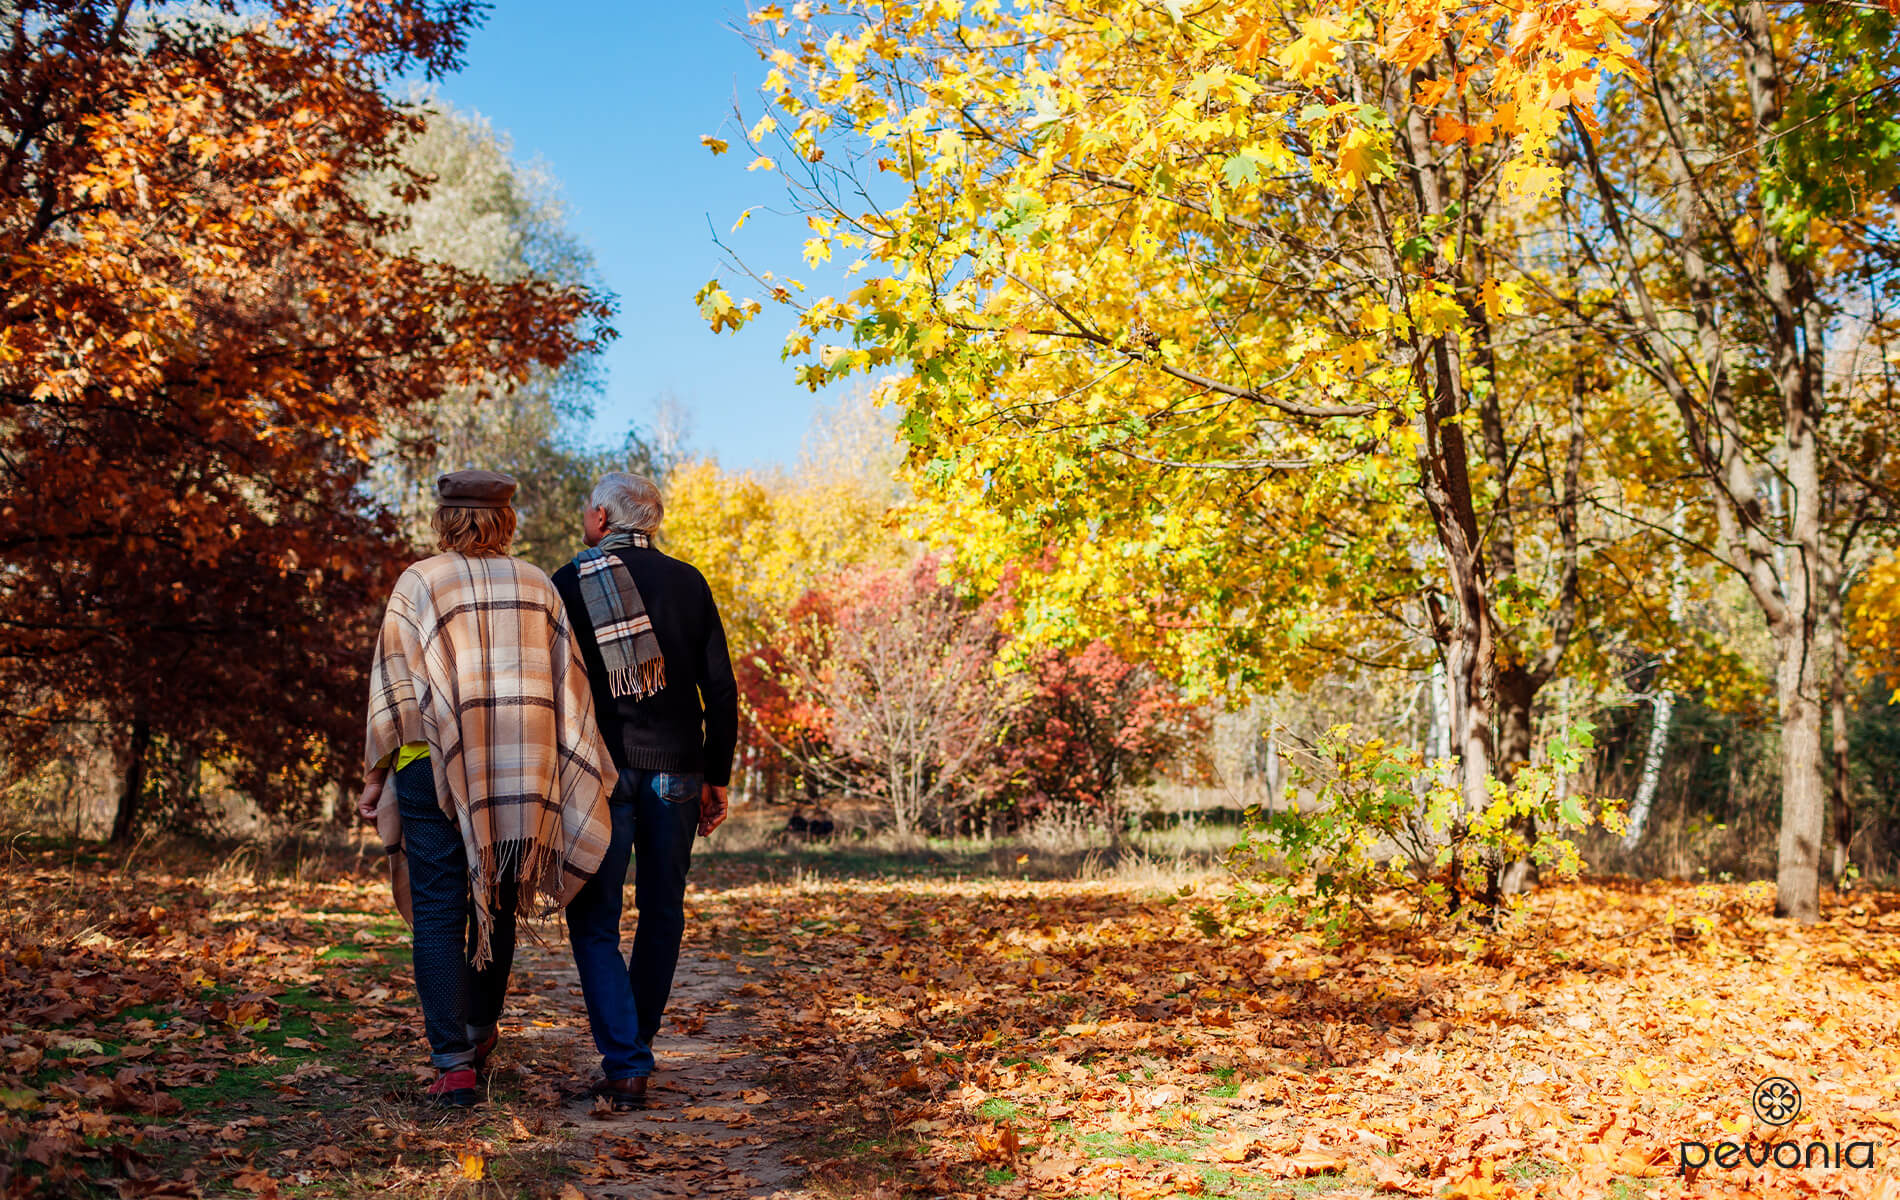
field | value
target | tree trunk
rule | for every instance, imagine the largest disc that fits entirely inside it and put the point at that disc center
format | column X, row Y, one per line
column 1797, row 340
column 1516, row 692
column 1843, row 805
column 1664, row 703
column 1439, row 739
column 1446, row 484
column 1837, row 712
column 1803, row 790
column 127, row 816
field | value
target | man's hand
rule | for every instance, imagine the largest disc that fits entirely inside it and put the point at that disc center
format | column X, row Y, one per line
column 372, row 795
column 712, row 808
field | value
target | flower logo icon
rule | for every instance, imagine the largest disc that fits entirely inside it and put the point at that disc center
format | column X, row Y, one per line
column 1777, row 1100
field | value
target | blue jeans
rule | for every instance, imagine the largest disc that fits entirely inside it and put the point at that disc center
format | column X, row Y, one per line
column 655, row 817
column 460, row 1004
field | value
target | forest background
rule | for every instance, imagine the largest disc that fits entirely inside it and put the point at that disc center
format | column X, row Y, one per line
column 1459, row 410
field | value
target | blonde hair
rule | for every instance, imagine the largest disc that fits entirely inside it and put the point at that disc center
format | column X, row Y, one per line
column 474, row 531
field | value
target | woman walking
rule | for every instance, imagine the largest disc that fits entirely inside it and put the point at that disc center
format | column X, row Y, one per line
column 480, row 706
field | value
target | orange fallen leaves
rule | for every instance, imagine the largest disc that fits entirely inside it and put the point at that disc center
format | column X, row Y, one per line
column 1112, row 1035
column 998, row 1143
column 1571, row 1058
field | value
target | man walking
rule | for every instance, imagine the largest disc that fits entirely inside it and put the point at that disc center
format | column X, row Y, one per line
column 668, row 708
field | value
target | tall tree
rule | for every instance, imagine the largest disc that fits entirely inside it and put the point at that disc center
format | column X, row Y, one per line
column 765, row 539
column 486, row 213
column 1740, row 251
column 204, row 335
column 1206, row 298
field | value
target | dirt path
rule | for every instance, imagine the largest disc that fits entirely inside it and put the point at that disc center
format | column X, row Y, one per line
column 714, row 1124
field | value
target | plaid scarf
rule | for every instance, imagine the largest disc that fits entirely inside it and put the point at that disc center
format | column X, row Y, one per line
column 621, row 626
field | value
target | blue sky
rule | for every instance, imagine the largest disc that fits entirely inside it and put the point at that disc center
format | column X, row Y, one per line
column 612, row 97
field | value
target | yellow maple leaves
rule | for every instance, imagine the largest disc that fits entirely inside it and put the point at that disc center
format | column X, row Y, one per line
column 1363, row 158
column 1314, row 55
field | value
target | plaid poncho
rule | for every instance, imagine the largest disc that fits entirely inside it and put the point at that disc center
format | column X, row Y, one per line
column 477, row 659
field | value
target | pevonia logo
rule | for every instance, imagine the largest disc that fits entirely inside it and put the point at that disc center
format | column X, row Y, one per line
column 1777, row 1102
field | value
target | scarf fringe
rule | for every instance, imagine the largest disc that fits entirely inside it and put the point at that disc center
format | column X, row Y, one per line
column 537, row 874
column 639, row 680
column 635, row 666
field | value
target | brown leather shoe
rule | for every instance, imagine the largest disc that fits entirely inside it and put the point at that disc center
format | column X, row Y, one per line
column 626, row 1095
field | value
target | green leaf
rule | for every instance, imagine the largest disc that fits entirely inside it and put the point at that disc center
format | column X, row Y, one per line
column 21, row 1099
column 1240, row 168
column 916, row 427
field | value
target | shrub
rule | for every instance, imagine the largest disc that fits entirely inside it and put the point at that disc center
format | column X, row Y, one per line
column 1367, row 818
column 1090, row 726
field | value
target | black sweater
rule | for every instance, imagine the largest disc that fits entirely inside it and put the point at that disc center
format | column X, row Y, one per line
column 673, row 730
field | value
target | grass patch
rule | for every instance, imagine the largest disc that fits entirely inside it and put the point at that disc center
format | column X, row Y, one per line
column 1312, row 1185
column 1225, row 1185
column 1533, row 1168
column 1000, row 1110
column 252, row 1085
column 1115, row 1145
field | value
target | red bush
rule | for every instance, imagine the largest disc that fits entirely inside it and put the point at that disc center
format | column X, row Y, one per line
column 1091, row 725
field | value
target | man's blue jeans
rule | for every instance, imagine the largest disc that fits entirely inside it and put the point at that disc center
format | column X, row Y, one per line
column 655, row 817
column 460, row 1005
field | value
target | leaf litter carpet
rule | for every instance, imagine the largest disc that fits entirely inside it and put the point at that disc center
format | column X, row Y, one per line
column 171, row 1028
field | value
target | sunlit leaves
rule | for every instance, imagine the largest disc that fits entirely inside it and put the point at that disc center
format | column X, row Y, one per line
column 719, row 309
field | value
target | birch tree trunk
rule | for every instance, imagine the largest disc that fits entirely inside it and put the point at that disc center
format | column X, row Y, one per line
column 1663, row 707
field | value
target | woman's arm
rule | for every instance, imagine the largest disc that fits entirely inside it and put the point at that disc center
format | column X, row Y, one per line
column 372, row 793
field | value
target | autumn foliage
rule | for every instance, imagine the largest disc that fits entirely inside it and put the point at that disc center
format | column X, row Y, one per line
column 887, row 684
column 1090, row 729
column 203, row 339
column 1489, row 346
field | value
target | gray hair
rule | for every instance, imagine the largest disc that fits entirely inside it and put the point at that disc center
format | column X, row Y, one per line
column 632, row 502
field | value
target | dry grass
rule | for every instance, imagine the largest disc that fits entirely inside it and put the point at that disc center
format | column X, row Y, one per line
column 1064, row 845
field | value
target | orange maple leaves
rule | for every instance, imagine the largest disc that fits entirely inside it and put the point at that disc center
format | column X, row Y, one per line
column 1083, row 1035
column 204, row 337
column 1548, row 63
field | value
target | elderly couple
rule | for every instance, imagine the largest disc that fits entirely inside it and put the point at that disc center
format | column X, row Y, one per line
column 540, row 734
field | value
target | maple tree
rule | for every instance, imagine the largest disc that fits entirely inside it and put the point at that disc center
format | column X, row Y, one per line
column 1208, row 299
column 898, row 686
column 204, row 335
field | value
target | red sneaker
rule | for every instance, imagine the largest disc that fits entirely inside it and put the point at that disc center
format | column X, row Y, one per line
column 455, row 1089
column 486, row 1047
